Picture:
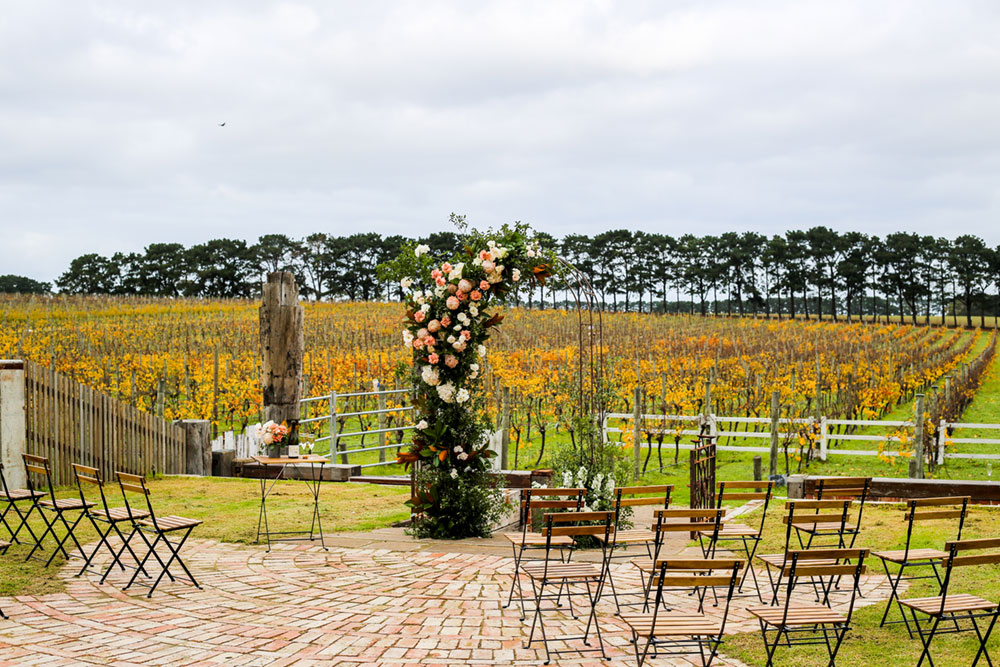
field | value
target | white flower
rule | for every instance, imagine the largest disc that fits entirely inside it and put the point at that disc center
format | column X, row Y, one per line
column 515, row 275
column 422, row 424
column 407, row 337
column 451, row 339
column 439, row 291
column 457, row 449
column 406, row 283
column 567, row 480
column 462, row 317
column 493, row 278
column 454, row 473
column 426, row 307
column 500, row 269
column 474, row 367
column 420, row 299
column 462, row 396
column 531, row 253
column 463, row 456
column 446, row 392
column 457, row 327
column 430, row 375
column 473, row 310
column 459, row 345
column 481, row 350
column 456, row 271
column 477, row 262
column 421, row 250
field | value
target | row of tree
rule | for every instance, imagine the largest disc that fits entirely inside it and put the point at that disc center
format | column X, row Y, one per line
column 816, row 271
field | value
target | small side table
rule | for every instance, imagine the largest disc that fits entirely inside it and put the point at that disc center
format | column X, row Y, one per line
column 316, row 464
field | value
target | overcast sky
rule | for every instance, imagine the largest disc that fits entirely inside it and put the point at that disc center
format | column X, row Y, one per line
column 575, row 116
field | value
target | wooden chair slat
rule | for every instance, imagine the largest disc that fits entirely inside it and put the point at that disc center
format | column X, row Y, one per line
column 746, row 485
column 813, row 518
column 549, row 504
column 564, row 517
column 36, row 469
column 687, row 513
column 654, row 488
column 832, row 553
column 814, row 504
column 981, row 543
column 638, row 502
column 694, row 580
column 932, row 502
column 134, row 488
column 822, row 570
column 541, row 493
column 698, row 563
column 979, row 559
column 744, row 496
column 938, row 514
column 558, row 531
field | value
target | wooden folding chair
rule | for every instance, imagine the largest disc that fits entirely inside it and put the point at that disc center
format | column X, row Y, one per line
column 805, row 624
column 680, row 520
column 621, row 540
column 802, row 514
column 161, row 527
column 532, row 501
column 955, row 609
column 684, row 633
column 551, row 573
column 920, row 510
column 39, row 466
column 112, row 516
column 3, row 549
column 12, row 497
column 831, row 488
column 746, row 537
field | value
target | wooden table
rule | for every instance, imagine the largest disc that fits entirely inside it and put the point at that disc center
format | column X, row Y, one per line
column 316, row 526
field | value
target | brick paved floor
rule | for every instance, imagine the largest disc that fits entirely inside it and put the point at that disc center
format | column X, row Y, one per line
column 302, row 606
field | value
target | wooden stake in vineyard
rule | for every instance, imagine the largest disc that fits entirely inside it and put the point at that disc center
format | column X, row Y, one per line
column 282, row 346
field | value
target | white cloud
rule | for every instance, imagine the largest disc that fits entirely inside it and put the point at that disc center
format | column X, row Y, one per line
column 676, row 117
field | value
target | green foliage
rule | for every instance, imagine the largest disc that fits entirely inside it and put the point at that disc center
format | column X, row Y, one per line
column 463, row 505
column 11, row 284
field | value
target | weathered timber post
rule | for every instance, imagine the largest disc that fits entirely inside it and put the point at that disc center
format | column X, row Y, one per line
column 505, row 429
column 637, row 432
column 772, row 466
column 197, row 446
column 381, row 425
column 918, row 436
column 942, row 441
column 757, row 472
column 282, row 345
column 13, row 425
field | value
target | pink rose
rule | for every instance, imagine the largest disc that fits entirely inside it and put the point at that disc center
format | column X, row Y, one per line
column 464, row 285
column 429, row 341
column 466, row 334
column 433, row 326
column 459, row 345
column 446, row 267
column 433, row 358
column 489, row 266
column 446, row 321
column 484, row 255
column 419, row 316
column 418, row 343
column 439, row 281
column 422, row 333
column 436, row 273
column 453, row 303
column 451, row 361
column 484, row 285
column 462, row 296
column 452, row 289
column 476, row 295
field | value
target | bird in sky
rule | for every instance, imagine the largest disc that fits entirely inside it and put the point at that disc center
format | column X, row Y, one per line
column 222, row 124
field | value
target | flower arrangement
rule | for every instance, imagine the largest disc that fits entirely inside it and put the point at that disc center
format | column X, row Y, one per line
column 451, row 307
column 269, row 435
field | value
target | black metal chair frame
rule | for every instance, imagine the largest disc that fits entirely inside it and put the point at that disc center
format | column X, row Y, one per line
column 748, row 543
column 3, row 549
column 12, row 498
column 986, row 610
column 636, row 499
column 542, row 501
column 790, row 519
column 111, row 517
column 801, row 630
column 696, row 572
column 855, row 487
column 913, row 514
column 160, row 527
column 39, row 465
column 551, row 572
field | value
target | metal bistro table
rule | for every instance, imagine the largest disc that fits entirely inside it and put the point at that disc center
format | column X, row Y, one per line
column 316, row 526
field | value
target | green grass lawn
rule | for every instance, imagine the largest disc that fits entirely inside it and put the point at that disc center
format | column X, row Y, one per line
column 866, row 644
column 229, row 508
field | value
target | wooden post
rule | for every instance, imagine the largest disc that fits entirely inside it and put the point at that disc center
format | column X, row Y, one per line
column 772, row 465
column 505, row 429
column 197, row 446
column 282, row 345
column 823, row 442
column 757, row 472
column 13, row 424
column 215, row 393
column 942, row 439
column 637, row 431
column 918, row 435
column 381, row 426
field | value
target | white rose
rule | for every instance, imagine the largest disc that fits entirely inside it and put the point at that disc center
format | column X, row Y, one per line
column 453, row 473
column 456, row 271
column 439, row 291
column 457, row 327
column 473, row 310
column 463, row 456
column 430, row 375
column 407, row 337
column 531, row 253
column 406, row 283
column 462, row 396
column 515, row 275
column 457, row 449
column 426, row 307
column 422, row 424
column 446, row 392
column 451, row 339
column 477, row 262
column 421, row 250
column 420, row 299
column 481, row 350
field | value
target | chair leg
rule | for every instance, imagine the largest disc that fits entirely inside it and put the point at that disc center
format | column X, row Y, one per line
column 102, row 539
column 125, row 543
column 926, row 653
column 894, row 597
column 593, row 619
column 983, row 638
column 840, row 638
column 152, row 550
column 49, row 528
column 69, row 535
column 175, row 554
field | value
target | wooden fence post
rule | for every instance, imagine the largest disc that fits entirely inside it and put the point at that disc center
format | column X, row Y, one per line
column 772, row 466
column 942, row 439
column 823, row 444
column 13, row 425
column 636, row 432
column 918, row 436
column 381, row 426
column 282, row 345
column 197, row 446
column 505, row 429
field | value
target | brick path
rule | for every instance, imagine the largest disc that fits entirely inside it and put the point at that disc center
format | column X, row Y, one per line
column 302, row 606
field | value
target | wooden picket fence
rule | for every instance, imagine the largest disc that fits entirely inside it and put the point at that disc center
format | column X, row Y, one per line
column 72, row 423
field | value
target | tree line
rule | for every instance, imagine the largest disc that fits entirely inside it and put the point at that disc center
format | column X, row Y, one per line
column 799, row 273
